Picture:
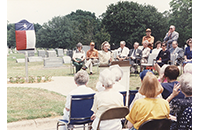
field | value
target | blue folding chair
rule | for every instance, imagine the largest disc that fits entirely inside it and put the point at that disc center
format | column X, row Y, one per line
column 124, row 97
column 80, row 111
column 131, row 96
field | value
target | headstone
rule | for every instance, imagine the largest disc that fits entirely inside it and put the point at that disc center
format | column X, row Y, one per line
column 70, row 53
column 53, row 62
column 20, row 60
column 31, row 53
column 51, row 54
column 35, row 59
column 66, row 59
column 65, row 51
column 41, row 53
column 60, row 52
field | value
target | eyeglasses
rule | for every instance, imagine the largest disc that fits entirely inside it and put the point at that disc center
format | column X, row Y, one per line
column 163, row 45
column 170, row 28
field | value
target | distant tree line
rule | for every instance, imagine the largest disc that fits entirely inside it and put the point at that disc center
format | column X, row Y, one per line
column 121, row 21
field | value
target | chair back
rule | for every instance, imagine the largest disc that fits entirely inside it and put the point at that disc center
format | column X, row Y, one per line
column 80, row 111
column 131, row 96
column 156, row 124
column 151, row 58
column 124, row 97
column 114, row 113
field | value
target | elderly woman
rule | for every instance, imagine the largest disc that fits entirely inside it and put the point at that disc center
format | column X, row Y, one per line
column 158, row 47
column 105, row 56
column 150, row 107
column 188, row 52
column 78, row 57
column 81, row 78
column 104, row 100
column 188, row 68
column 178, row 106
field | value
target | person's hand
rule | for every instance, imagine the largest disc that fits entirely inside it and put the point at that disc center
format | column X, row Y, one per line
column 129, row 125
column 169, row 33
column 93, row 117
column 110, row 59
column 176, row 90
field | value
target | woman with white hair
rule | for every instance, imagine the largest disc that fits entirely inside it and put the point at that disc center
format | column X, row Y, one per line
column 104, row 100
column 178, row 106
column 188, row 68
column 105, row 56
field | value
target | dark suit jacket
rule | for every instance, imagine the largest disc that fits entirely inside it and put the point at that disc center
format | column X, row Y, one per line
column 138, row 53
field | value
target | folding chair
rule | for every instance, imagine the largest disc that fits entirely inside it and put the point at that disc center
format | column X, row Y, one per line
column 124, row 97
column 151, row 61
column 80, row 111
column 113, row 113
column 131, row 96
column 156, row 124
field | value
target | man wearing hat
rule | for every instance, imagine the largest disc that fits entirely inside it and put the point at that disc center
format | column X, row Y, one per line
column 149, row 38
column 91, row 57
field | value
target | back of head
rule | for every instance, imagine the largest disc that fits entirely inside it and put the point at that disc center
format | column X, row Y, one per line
column 186, row 83
column 107, row 78
column 143, row 73
column 172, row 72
column 150, row 86
column 162, row 69
column 188, row 68
column 116, row 71
column 81, row 77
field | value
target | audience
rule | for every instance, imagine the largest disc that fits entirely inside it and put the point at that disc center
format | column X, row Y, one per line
column 188, row 52
column 91, row 57
column 78, row 57
column 134, row 57
column 171, row 73
column 171, row 36
column 104, row 100
column 158, row 48
column 122, row 51
column 105, row 56
column 150, row 107
column 81, row 78
column 149, row 38
column 178, row 106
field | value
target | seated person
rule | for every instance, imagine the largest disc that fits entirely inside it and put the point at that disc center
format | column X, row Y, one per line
column 150, row 107
column 188, row 52
column 118, row 74
column 78, row 57
column 188, row 68
column 171, row 73
column 134, row 56
column 81, row 78
column 104, row 100
column 91, row 57
column 162, row 58
column 105, row 56
column 145, row 52
column 176, row 54
column 122, row 51
column 158, row 48
column 178, row 106
column 139, row 95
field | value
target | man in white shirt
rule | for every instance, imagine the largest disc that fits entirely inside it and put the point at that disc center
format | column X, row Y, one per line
column 81, row 78
column 122, row 51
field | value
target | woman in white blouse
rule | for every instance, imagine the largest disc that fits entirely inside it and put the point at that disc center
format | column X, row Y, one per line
column 158, row 47
column 78, row 57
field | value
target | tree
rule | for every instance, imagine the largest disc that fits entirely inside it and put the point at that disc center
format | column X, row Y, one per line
column 128, row 21
column 181, row 17
column 11, row 42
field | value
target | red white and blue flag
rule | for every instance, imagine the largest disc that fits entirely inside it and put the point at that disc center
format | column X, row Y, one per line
column 25, row 35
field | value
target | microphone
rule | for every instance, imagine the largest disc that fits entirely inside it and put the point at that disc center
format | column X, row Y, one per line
column 109, row 50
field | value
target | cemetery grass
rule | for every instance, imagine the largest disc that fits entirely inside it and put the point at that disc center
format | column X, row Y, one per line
column 30, row 103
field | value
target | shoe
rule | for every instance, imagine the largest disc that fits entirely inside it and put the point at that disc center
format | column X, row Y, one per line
column 90, row 73
column 84, row 68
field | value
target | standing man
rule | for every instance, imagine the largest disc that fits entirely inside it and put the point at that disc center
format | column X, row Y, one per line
column 149, row 38
column 122, row 51
column 171, row 36
column 135, row 57
column 91, row 57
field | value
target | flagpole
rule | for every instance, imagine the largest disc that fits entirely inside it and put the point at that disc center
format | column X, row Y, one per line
column 26, row 65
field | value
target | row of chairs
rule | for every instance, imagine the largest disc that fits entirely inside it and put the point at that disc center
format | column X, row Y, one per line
column 80, row 111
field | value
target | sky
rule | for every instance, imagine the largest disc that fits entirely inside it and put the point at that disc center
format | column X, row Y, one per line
column 41, row 11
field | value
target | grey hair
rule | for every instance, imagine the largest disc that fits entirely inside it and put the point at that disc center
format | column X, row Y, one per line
column 175, row 42
column 136, row 43
column 123, row 42
column 146, row 42
column 79, row 45
column 106, row 78
column 116, row 71
column 172, row 26
column 186, row 83
column 188, row 68
column 81, row 77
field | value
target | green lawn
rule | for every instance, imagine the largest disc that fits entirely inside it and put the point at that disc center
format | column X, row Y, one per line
column 30, row 103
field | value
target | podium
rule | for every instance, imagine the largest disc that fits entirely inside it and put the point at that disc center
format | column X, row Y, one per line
column 125, row 80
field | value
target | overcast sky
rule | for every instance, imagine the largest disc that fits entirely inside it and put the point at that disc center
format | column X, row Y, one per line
column 40, row 11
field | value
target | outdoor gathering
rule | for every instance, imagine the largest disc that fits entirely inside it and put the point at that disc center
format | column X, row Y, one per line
column 99, row 65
